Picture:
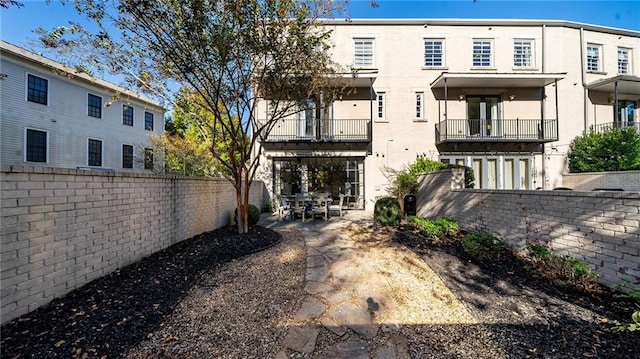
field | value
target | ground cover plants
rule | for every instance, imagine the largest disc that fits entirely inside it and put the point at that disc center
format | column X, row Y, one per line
column 568, row 275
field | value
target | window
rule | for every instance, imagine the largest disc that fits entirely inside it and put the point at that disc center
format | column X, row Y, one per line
column 94, row 106
column 419, row 105
column 363, row 52
column 523, row 53
column 433, row 53
column 35, row 146
column 127, row 115
column 148, row 121
column 127, row 156
column 623, row 61
column 593, row 57
column 380, row 106
column 482, row 53
column 37, row 89
column 95, row 153
column 148, row 158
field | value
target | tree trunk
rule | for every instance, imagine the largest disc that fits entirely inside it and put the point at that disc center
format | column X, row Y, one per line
column 242, row 204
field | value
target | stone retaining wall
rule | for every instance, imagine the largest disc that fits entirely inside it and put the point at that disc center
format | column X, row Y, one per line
column 601, row 228
column 62, row 228
column 626, row 180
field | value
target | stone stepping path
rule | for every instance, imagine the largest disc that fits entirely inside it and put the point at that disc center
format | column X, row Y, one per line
column 345, row 294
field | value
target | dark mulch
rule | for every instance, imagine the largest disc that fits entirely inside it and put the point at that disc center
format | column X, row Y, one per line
column 527, row 315
column 107, row 316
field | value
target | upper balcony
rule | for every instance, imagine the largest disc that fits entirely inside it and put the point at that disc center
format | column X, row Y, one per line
column 333, row 130
column 497, row 131
column 604, row 127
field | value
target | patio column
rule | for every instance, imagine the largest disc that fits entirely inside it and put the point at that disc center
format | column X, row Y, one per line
column 555, row 83
column 615, row 103
column 446, row 109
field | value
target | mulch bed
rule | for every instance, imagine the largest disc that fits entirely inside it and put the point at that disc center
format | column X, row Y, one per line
column 107, row 316
column 527, row 315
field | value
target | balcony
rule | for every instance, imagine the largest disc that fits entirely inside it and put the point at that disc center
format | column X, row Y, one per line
column 604, row 127
column 326, row 130
column 497, row 131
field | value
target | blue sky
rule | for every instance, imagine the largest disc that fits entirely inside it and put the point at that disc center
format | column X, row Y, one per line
column 16, row 24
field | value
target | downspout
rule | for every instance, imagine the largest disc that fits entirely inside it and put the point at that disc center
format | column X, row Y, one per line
column 544, row 146
column 584, row 81
column 371, row 116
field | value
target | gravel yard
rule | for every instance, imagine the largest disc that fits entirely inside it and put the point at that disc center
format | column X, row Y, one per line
column 204, row 298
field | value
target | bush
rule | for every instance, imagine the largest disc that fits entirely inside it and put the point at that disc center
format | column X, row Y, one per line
column 448, row 226
column 613, row 150
column 425, row 165
column 562, row 270
column 387, row 212
column 253, row 215
column 425, row 226
column 482, row 245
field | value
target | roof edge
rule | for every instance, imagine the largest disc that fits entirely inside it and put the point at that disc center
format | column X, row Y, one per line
column 92, row 80
column 481, row 22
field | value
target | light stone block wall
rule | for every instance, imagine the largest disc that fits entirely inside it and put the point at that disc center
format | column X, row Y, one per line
column 62, row 228
column 601, row 228
column 627, row 180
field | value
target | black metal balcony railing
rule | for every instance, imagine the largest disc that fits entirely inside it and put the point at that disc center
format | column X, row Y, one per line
column 326, row 130
column 503, row 130
column 603, row 127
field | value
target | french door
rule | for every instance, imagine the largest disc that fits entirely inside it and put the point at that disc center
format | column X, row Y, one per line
column 483, row 116
column 307, row 120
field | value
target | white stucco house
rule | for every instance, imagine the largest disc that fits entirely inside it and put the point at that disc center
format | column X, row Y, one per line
column 505, row 97
column 53, row 116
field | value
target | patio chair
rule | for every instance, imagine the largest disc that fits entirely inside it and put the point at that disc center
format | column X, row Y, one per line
column 299, row 206
column 336, row 207
column 284, row 209
column 322, row 206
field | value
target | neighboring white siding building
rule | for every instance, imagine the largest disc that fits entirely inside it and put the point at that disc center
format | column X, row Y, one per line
column 53, row 116
column 505, row 97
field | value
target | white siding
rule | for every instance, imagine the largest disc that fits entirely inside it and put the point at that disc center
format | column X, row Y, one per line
column 65, row 118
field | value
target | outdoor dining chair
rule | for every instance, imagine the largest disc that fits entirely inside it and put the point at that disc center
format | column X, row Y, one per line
column 336, row 207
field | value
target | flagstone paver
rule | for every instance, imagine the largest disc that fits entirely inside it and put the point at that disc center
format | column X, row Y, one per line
column 311, row 308
column 345, row 293
column 301, row 339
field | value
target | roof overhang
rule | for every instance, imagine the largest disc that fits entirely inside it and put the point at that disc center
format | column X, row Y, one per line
column 627, row 84
column 355, row 79
column 494, row 80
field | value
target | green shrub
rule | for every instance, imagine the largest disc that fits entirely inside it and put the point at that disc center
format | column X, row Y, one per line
column 613, row 150
column 425, row 165
column 538, row 252
column 253, row 215
column 426, row 226
column 482, row 245
column 448, row 226
column 562, row 270
column 387, row 212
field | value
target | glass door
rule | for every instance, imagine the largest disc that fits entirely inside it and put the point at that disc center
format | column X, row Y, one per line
column 326, row 122
column 625, row 113
column 483, row 116
column 306, row 120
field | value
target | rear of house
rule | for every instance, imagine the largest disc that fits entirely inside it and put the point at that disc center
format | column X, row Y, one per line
column 505, row 97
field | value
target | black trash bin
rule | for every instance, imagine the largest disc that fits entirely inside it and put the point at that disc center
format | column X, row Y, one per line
column 409, row 205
